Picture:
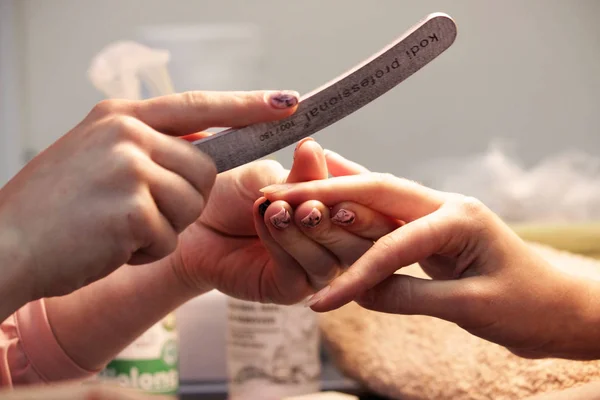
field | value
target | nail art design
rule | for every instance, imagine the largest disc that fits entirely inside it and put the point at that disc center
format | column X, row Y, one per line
column 313, row 219
column 282, row 219
column 262, row 208
column 343, row 217
column 283, row 100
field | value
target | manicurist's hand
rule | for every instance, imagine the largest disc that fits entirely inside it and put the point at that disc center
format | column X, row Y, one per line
column 118, row 188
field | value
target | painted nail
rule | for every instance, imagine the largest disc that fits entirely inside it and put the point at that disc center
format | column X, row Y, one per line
column 312, row 219
column 284, row 99
column 282, row 219
column 314, row 299
column 262, row 208
column 276, row 188
column 343, row 217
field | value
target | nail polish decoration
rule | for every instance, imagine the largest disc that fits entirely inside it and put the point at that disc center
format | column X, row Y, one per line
column 282, row 219
column 313, row 219
column 262, row 208
column 283, row 100
column 344, row 217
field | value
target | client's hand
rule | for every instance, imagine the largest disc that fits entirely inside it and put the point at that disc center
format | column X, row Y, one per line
column 223, row 249
column 485, row 278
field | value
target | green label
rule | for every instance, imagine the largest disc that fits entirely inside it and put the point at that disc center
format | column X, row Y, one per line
column 151, row 376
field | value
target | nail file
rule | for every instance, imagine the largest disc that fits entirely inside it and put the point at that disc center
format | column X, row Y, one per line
column 338, row 98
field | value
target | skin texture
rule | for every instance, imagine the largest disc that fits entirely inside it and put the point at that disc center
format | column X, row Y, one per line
column 483, row 276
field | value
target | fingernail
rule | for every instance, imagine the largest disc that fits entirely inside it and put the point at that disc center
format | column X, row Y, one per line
column 276, row 188
column 282, row 219
column 343, row 217
column 285, row 99
column 314, row 299
column 262, row 208
column 300, row 143
column 366, row 299
column 312, row 219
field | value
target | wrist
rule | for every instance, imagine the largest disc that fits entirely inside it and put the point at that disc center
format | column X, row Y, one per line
column 184, row 281
column 584, row 326
column 16, row 283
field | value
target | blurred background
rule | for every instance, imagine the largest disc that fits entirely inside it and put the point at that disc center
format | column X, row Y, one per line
column 526, row 72
column 522, row 73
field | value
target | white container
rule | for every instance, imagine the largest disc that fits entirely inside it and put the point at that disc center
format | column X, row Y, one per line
column 272, row 351
column 150, row 363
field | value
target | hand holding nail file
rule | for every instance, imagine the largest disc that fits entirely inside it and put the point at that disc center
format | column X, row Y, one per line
column 336, row 99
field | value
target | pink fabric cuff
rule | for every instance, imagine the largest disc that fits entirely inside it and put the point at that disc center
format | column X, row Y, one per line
column 44, row 353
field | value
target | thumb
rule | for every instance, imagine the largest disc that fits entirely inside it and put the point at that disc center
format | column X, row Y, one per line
column 309, row 162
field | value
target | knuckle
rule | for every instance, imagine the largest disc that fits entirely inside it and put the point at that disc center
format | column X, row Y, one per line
column 471, row 207
column 140, row 212
column 194, row 99
column 128, row 163
column 469, row 215
column 127, row 128
column 386, row 244
column 108, row 107
column 474, row 299
column 104, row 108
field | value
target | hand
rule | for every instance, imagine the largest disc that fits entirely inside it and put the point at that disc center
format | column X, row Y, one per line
column 223, row 249
column 484, row 277
column 323, row 240
column 117, row 188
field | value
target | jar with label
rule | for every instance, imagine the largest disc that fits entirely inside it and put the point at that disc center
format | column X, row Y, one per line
column 272, row 351
column 150, row 363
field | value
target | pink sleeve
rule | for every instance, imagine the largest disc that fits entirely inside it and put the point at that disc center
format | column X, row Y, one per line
column 29, row 351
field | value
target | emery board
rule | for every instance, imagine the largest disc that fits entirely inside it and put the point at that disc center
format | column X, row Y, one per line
column 336, row 99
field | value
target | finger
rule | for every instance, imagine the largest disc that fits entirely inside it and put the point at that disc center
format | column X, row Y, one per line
column 309, row 162
column 190, row 112
column 404, row 246
column 156, row 237
column 407, row 295
column 176, row 155
column 341, row 166
column 362, row 221
column 288, row 270
column 184, row 160
column 192, row 137
column 178, row 201
column 320, row 265
column 399, row 198
column 314, row 221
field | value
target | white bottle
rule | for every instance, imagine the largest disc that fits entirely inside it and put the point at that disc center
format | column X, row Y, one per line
column 150, row 363
column 272, row 351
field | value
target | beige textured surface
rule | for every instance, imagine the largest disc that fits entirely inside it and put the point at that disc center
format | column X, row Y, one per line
column 416, row 357
column 324, row 396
